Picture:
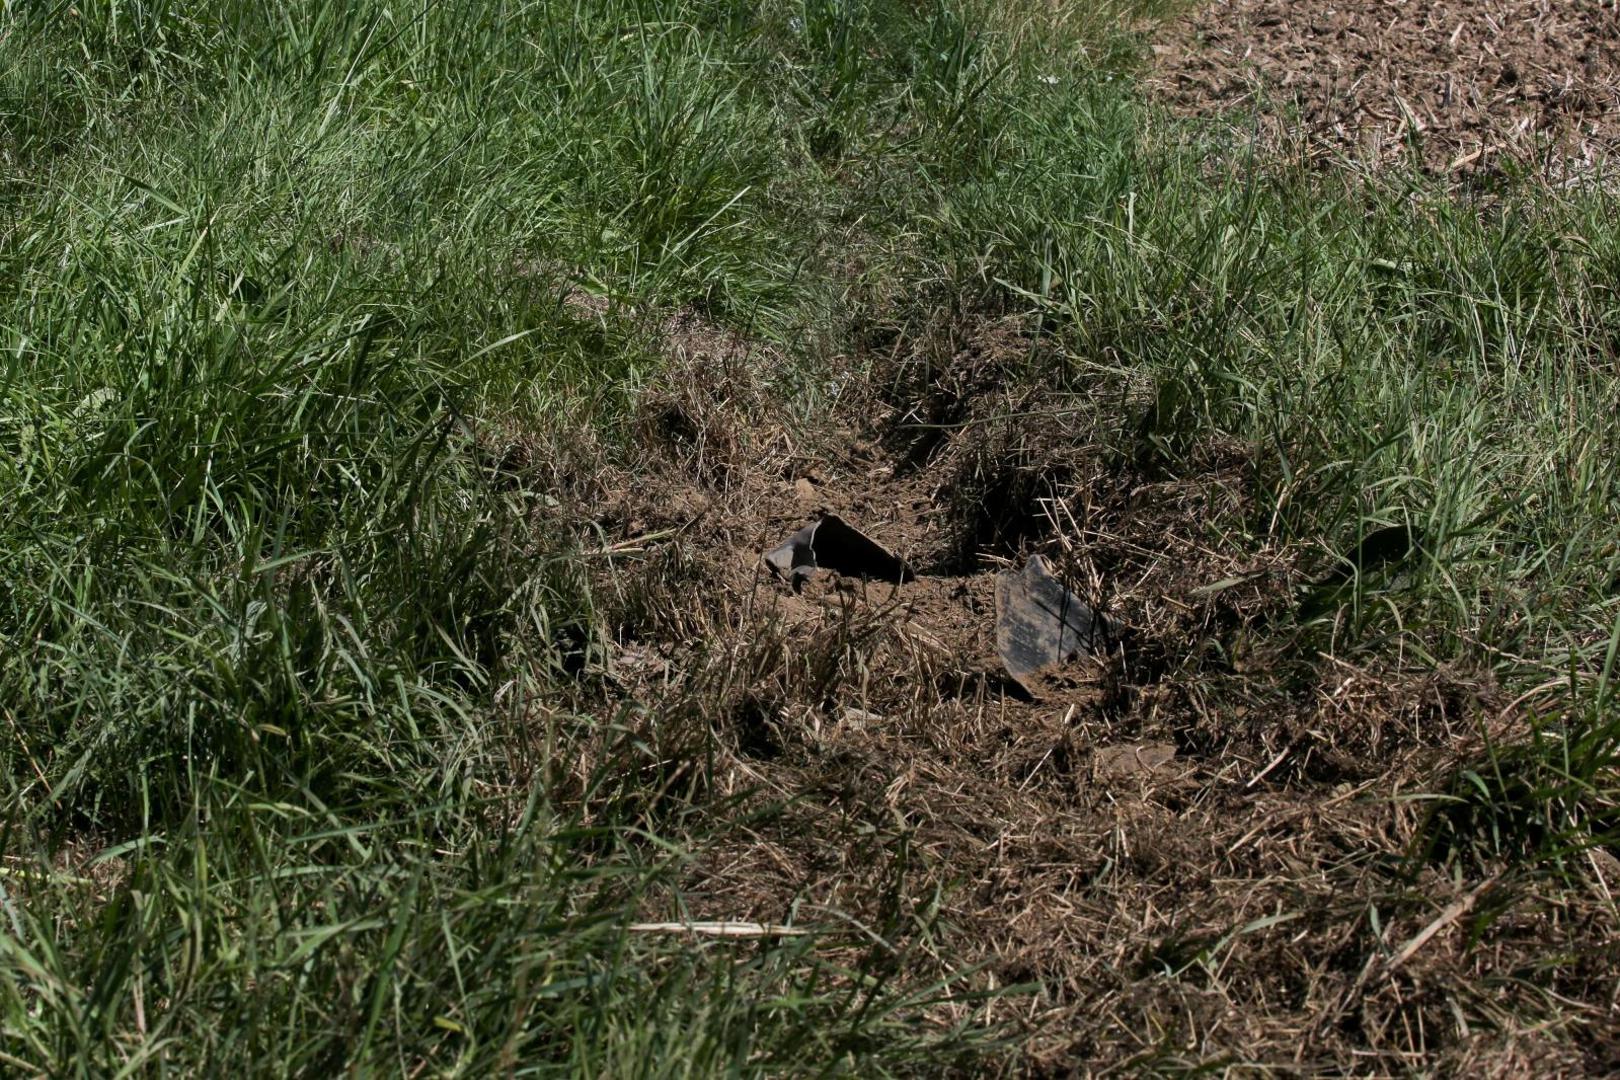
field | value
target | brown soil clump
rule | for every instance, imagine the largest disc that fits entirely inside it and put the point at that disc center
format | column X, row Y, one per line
column 1191, row 853
column 1463, row 84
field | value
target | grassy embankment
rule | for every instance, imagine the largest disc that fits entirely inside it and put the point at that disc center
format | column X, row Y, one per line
column 277, row 632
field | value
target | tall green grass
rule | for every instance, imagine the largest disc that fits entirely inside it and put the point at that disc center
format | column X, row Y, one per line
column 276, row 636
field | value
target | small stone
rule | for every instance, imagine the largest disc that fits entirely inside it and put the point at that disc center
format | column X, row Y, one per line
column 859, row 719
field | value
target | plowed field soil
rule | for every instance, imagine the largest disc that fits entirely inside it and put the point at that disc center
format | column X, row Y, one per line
column 1459, row 84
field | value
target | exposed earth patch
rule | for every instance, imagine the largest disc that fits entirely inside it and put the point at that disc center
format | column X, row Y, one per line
column 1198, row 847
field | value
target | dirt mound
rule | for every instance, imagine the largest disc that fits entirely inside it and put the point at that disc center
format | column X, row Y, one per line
column 1195, row 850
column 1463, row 83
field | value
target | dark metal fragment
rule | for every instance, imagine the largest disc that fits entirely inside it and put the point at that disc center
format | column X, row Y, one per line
column 1041, row 625
column 1380, row 559
column 1390, row 544
column 832, row 543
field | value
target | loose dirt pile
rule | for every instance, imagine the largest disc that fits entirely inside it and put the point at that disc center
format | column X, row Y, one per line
column 1200, row 849
column 1462, row 84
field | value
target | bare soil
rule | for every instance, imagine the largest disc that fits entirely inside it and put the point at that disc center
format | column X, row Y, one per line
column 1462, row 84
column 1202, row 850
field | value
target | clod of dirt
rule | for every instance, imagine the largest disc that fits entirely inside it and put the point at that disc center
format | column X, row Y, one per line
column 833, row 544
column 1041, row 625
column 1118, row 761
column 860, row 719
